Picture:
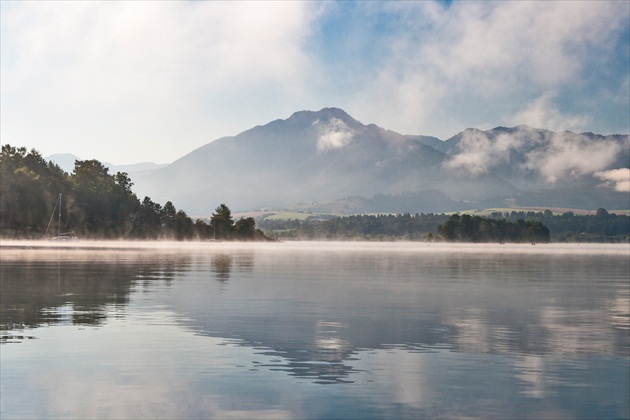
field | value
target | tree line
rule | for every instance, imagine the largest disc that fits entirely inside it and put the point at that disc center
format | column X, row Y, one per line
column 569, row 227
column 514, row 226
column 426, row 227
column 96, row 204
column 367, row 227
column 467, row 228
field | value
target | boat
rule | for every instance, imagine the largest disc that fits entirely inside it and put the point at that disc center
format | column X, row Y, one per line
column 60, row 236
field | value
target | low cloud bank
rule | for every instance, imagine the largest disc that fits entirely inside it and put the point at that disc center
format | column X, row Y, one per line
column 553, row 155
column 333, row 134
column 617, row 179
column 542, row 112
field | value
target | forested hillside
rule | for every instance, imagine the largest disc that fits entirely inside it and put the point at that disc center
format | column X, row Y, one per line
column 95, row 204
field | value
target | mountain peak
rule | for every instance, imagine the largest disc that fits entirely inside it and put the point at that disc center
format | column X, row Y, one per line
column 323, row 114
column 333, row 112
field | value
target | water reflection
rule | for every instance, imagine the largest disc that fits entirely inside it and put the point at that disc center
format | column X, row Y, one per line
column 49, row 286
column 73, row 287
column 33, row 293
column 419, row 327
column 316, row 320
column 221, row 266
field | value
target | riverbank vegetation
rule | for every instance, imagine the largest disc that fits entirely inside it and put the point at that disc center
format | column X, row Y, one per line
column 96, row 204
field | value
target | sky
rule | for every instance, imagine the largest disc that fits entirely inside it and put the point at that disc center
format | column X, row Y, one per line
column 127, row 82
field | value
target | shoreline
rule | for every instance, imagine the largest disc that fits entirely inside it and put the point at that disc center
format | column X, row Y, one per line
column 319, row 246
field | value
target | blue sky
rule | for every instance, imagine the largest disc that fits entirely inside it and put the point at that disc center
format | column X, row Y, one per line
column 128, row 82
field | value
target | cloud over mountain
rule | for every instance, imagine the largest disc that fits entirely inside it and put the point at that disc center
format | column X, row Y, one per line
column 618, row 179
column 543, row 112
column 332, row 134
column 568, row 155
column 552, row 155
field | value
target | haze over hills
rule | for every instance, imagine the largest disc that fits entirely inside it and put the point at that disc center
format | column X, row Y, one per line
column 322, row 157
column 310, row 157
column 66, row 162
column 327, row 160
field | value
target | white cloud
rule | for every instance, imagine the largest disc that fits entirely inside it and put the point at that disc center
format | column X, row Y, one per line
column 542, row 113
column 569, row 155
column 541, row 43
column 157, row 79
column 478, row 153
column 460, row 66
column 553, row 155
column 332, row 134
column 617, row 179
column 131, row 74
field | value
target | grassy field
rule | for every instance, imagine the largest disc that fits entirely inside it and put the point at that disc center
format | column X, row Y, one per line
column 554, row 210
column 282, row 215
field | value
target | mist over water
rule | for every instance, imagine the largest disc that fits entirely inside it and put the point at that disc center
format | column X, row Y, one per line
column 314, row 330
column 22, row 246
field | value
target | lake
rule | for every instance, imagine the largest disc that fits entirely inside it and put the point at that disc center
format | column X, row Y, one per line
column 314, row 330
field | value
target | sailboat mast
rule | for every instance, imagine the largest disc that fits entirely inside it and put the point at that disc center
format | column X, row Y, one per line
column 59, row 226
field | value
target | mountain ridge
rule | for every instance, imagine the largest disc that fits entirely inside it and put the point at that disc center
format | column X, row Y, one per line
column 323, row 156
column 311, row 156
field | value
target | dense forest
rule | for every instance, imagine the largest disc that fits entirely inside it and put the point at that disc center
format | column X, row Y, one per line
column 467, row 228
column 95, row 204
column 569, row 227
column 368, row 227
column 498, row 227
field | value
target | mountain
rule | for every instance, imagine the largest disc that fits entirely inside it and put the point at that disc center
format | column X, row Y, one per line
column 66, row 162
column 532, row 158
column 135, row 168
column 320, row 157
column 554, row 169
column 310, row 157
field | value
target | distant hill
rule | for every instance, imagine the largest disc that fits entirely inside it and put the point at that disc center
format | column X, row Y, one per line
column 66, row 162
column 426, row 201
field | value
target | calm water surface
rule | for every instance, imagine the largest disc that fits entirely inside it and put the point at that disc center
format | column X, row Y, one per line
column 314, row 330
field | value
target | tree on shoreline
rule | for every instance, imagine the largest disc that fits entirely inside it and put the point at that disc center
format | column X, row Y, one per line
column 222, row 222
column 224, row 227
